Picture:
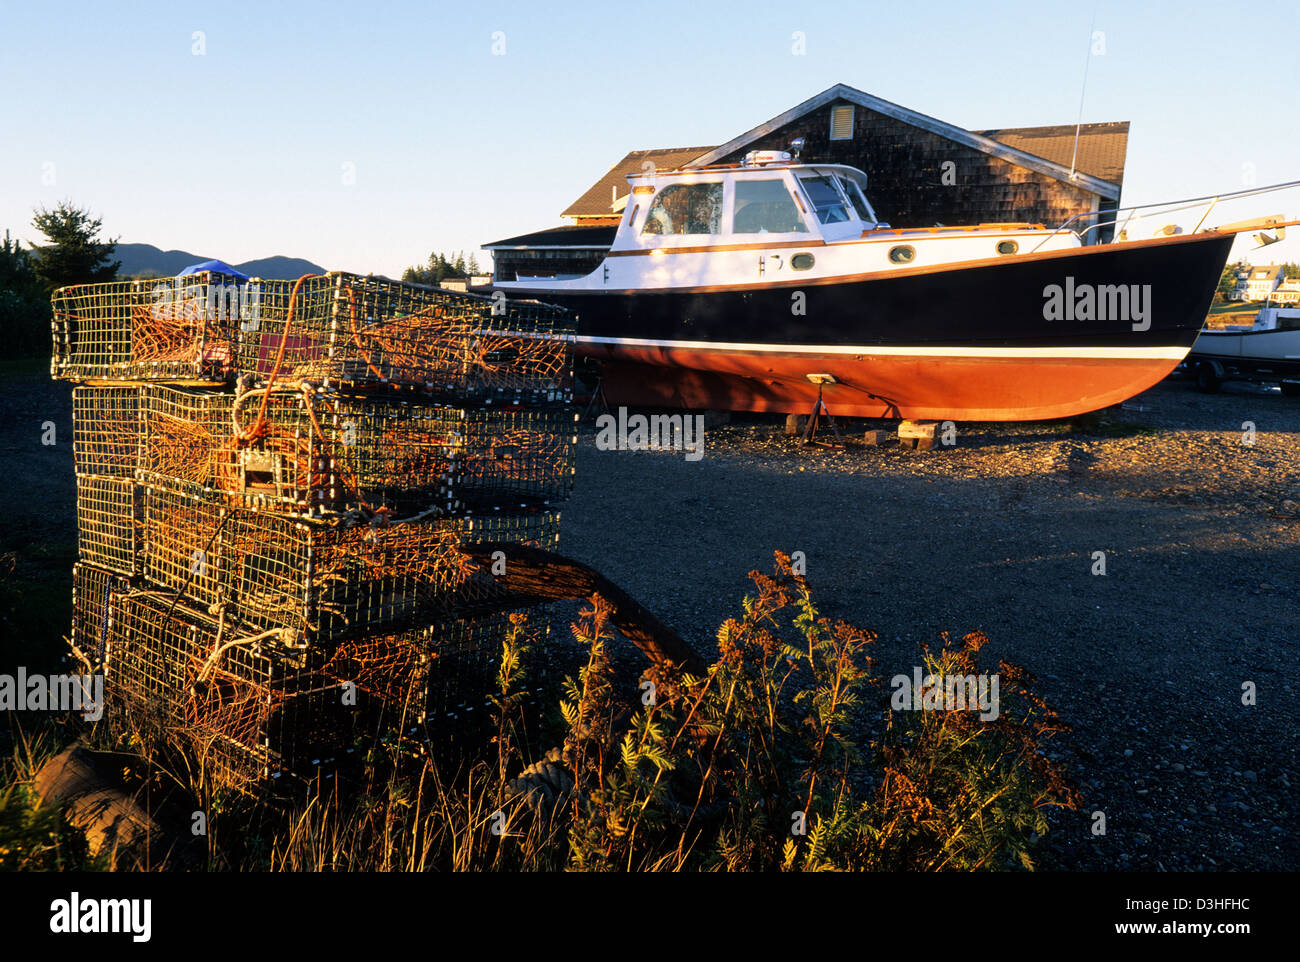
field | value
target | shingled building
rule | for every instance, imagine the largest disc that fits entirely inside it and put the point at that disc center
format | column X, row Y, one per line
column 920, row 171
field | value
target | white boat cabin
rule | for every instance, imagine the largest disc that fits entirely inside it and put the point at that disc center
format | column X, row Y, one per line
column 771, row 220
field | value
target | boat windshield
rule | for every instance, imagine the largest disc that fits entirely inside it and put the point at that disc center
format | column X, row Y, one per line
column 854, row 192
column 825, row 197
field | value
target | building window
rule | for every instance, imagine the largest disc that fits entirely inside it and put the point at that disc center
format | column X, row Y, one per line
column 841, row 123
column 765, row 207
column 686, row 209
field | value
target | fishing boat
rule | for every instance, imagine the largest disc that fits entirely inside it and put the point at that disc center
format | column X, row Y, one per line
column 766, row 284
column 1266, row 350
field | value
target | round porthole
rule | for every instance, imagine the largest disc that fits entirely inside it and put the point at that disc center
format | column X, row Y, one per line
column 1008, row 247
column 801, row 262
column 902, row 255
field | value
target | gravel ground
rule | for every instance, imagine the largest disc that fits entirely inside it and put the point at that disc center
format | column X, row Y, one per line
column 1146, row 663
column 998, row 533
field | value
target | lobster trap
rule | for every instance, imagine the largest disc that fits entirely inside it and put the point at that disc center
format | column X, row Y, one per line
column 110, row 522
column 95, row 594
column 248, row 713
column 323, row 580
column 182, row 328
column 252, row 716
column 365, row 334
column 312, row 454
column 277, row 483
column 106, row 430
column 519, row 457
column 302, row 452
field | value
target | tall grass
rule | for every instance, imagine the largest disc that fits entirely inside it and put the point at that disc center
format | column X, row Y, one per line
column 784, row 756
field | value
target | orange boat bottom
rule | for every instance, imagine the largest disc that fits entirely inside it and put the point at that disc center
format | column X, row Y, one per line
column 889, row 386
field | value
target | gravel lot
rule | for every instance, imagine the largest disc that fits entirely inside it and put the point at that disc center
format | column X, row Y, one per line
column 998, row 533
column 1147, row 663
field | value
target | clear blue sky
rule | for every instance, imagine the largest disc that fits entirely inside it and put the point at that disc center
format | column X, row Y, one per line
column 240, row 152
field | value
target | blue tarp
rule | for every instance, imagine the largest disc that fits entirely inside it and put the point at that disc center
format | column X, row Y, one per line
column 217, row 267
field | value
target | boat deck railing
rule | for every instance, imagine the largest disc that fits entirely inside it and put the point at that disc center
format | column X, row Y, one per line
column 1122, row 217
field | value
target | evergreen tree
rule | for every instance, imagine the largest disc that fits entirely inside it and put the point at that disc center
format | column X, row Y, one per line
column 74, row 254
column 24, row 303
column 439, row 268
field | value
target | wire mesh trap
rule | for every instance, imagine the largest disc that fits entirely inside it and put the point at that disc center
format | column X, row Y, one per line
column 252, row 716
column 247, row 713
column 325, row 580
column 302, row 452
column 165, row 329
column 366, row 334
column 106, row 430
column 314, row 454
column 275, row 484
column 109, row 522
column 95, row 593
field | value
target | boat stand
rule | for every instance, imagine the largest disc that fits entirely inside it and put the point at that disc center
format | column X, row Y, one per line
column 819, row 412
column 597, row 395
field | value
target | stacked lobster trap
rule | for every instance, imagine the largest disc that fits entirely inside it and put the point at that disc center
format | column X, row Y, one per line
column 275, row 481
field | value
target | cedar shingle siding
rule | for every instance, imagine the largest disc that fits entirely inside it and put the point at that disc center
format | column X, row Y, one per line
column 905, row 165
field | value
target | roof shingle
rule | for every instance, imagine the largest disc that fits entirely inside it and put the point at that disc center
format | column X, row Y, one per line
column 598, row 198
column 1102, row 147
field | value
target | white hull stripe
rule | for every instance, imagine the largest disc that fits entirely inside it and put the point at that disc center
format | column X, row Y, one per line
column 1129, row 353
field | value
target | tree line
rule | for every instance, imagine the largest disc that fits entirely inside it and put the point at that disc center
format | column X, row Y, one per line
column 73, row 253
column 440, row 267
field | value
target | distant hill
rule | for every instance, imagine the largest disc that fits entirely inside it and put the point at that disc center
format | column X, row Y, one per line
column 145, row 260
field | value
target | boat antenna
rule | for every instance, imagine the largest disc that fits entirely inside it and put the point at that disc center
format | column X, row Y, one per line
column 1079, row 123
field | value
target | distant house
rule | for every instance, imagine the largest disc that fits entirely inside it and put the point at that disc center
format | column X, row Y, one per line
column 1238, row 292
column 1288, row 292
column 1261, row 282
column 920, row 171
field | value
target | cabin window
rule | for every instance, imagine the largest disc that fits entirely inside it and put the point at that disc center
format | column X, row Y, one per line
column 765, row 207
column 902, row 254
column 1008, row 247
column 842, row 123
column 802, row 262
column 825, row 198
column 686, row 209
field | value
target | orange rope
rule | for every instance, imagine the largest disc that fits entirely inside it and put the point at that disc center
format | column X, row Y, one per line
column 279, row 360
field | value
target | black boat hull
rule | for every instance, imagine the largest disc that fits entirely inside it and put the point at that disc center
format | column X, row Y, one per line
column 1017, row 338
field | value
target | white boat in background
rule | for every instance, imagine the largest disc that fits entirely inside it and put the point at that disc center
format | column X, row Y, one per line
column 1267, row 350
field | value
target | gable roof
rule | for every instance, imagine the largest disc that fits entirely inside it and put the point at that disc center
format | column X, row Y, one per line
column 1102, row 147
column 596, row 202
column 977, row 141
column 1265, row 272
